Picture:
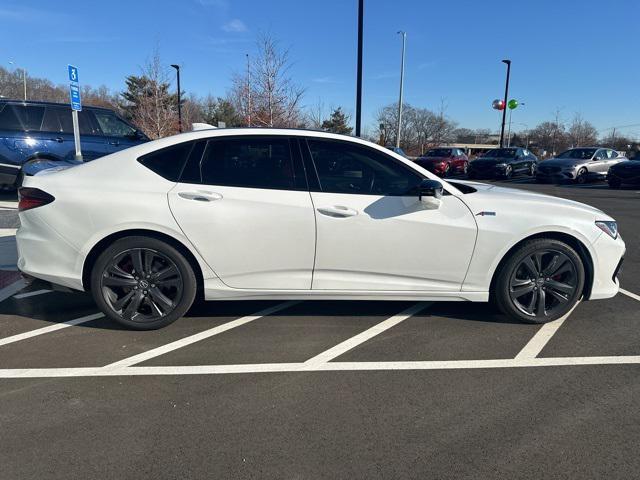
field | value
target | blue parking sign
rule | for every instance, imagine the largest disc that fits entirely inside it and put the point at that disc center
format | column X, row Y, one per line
column 74, row 94
column 73, row 74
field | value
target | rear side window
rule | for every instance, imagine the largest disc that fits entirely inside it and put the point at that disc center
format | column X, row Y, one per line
column 59, row 119
column 169, row 162
column 23, row 118
column 112, row 125
column 257, row 162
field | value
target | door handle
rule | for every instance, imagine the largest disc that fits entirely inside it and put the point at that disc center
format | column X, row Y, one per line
column 114, row 142
column 200, row 196
column 338, row 211
column 58, row 139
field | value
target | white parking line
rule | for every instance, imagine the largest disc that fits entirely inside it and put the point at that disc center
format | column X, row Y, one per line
column 31, row 294
column 629, row 294
column 170, row 347
column 12, row 289
column 356, row 340
column 49, row 329
column 303, row 367
column 533, row 348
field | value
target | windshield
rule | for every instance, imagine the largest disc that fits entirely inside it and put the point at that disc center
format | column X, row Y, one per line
column 582, row 153
column 501, row 153
column 438, row 152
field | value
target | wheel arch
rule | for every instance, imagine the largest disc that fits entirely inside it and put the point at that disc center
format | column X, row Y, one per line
column 99, row 247
column 570, row 240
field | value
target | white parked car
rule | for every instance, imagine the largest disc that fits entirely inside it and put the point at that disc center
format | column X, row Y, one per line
column 232, row 214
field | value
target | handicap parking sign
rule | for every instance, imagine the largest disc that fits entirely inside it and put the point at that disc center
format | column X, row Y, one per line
column 74, row 94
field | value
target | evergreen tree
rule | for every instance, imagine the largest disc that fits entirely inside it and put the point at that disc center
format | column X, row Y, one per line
column 337, row 123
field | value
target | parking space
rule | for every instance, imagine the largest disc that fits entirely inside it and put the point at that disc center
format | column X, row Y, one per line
column 384, row 388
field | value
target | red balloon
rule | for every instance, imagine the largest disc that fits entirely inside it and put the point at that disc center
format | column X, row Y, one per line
column 498, row 104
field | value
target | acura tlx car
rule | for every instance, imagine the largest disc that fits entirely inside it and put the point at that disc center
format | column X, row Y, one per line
column 232, row 214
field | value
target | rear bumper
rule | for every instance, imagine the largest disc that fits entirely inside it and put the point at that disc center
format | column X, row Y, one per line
column 46, row 255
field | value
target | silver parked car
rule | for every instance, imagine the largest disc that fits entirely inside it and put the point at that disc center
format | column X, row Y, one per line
column 579, row 165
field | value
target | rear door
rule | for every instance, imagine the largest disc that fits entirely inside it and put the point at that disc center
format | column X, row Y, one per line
column 599, row 163
column 245, row 206
column 92, row 142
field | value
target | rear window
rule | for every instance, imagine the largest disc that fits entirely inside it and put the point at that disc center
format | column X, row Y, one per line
column 169, row 162
column 23, row 118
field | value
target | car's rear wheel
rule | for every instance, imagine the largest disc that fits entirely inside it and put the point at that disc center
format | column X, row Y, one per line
column 143, row 283
column 540, row 282
column 508, row 172
column 532, row 170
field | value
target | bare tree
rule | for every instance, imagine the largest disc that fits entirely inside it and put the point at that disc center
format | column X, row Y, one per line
column 275, row 97
column 581, row 133
column 150, row 105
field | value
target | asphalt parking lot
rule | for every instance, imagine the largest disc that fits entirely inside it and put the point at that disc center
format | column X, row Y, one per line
column 324, row 389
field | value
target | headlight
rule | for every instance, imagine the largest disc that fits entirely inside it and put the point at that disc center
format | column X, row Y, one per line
column 610, row 228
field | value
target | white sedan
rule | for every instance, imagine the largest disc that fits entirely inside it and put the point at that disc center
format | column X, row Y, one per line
column 231, row 214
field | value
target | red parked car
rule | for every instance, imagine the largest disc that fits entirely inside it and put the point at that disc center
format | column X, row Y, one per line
column 444, row 161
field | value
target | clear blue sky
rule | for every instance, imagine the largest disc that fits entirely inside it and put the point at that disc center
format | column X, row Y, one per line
column 578, row 56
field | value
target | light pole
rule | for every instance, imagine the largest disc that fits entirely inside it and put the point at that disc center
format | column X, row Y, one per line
column 248, row 92
column 359, row 69
column 24, row 78
column 506, row 94
column 509, row 134
column 404, row 42
column 177, row 67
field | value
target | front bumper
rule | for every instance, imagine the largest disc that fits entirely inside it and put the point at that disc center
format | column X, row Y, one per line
column 607, row 263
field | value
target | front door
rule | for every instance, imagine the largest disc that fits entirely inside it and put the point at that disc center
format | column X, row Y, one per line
column 374, row 233
column 245, row 206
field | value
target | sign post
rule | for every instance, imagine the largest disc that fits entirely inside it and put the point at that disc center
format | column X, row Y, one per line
column 76, row 106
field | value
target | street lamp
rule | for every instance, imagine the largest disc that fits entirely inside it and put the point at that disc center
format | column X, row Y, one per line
column 24, row 78
column 359, row 70
column 404, row 42
column 506, row 94
column 177, row 67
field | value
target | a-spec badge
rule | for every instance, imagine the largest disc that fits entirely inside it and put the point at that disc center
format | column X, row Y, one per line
column 486, row 214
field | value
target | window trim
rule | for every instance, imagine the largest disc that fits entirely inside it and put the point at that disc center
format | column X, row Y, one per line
column 298, row 166
column 394, row 160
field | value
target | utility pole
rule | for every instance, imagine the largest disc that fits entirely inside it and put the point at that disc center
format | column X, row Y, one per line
column 248, row 92
column 177, row 67
column 359, row 69
column 404, row 42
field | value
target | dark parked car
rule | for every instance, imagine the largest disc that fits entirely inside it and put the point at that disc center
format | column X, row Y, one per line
column 444, row 161
column 39, row 135
column 398, row 150
column 624, row 172
column 504, row 163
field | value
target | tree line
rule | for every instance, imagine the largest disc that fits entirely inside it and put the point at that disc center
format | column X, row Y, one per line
column 265, row 95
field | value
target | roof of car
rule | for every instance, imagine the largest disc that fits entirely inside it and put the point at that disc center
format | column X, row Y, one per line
column 37, row 102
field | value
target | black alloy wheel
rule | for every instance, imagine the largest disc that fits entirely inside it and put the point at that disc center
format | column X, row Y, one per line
column 143, row 283
column 540, row 282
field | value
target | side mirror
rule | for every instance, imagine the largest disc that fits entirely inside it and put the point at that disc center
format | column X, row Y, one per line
column 430, row 193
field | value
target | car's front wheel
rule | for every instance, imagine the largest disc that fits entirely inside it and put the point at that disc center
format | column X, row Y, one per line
column 143, row 283
column 540, row 281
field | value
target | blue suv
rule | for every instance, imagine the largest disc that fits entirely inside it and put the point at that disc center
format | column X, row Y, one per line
column 38, row 135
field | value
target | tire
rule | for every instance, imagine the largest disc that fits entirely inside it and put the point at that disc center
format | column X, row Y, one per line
column 581, row 177
column 508, row 172
column 465, row 168
column 532, row 170
column 447, row 169
column 522, row 294
column 134, row 300
column 614, row 183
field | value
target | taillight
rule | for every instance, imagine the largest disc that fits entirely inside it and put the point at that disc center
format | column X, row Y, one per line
column 29, row 198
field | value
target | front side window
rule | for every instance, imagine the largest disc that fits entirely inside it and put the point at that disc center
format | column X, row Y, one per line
column 85, row 122
column 259, row 162
column 348, row 168
column 601, row 155
column 112, row 126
